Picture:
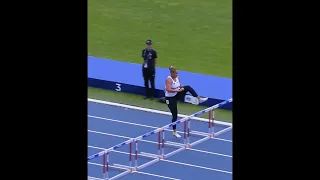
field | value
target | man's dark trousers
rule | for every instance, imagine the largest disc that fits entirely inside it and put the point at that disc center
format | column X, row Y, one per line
column 149, row 75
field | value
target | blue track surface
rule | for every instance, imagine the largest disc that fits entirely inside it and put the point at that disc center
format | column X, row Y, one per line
column 110, row 125
column 105, row 74
column 107, row 69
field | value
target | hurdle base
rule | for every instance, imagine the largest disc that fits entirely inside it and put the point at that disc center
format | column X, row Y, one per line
column 131, row 169
column 174, row 144
column 117, row 168
column 198, row 133
column 179, row 145
column 152, row 156
column 188, row 146
column 162, row 157
column 149, row 155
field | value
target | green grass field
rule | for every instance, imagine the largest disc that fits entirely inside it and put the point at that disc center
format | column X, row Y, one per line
column 192, row 35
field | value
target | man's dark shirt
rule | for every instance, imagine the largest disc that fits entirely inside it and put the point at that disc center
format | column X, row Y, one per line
column 148, row 59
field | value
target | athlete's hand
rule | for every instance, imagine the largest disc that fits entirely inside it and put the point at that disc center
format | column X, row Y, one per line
column 182, row 89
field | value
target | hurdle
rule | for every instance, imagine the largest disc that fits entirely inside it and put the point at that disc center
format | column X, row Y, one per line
column 161, row 143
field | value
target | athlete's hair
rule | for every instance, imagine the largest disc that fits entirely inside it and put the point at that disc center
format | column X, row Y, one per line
column 172, row 69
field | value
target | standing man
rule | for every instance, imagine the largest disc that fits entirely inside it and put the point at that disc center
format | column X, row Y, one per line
column 149, row 56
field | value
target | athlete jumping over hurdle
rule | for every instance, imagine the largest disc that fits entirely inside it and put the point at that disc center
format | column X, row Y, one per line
column 175, row 91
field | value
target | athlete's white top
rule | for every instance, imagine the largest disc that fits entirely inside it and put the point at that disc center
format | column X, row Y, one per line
column 174, row 85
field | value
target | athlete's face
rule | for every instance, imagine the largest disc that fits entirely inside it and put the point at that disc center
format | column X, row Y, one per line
column 149, row 46
column 174, row 74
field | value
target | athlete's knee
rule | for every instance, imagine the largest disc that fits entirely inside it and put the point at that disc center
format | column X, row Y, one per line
column 186, row 87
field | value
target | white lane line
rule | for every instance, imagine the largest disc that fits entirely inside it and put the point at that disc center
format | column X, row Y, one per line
column 151, row 110
column 202, row 167
column 175, row 162
column 94, row 178
column 94, row 147
column 124, row 122
column 96, row 164
column 108, row 134
column 207, row 152
column 139, row 172
column 153, row 142
column 165, row 177
column 142, row 125
column 227, row 140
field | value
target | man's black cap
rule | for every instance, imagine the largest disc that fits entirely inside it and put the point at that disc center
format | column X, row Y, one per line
column 149, row 42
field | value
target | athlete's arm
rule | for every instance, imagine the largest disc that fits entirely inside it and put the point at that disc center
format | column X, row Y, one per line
column 169, row 87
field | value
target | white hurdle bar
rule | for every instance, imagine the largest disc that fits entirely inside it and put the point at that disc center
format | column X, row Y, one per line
column 198, row 133
column 148, row 163
column 223, row 131
column 175, row 152
column 186, row 145
column 199, row 141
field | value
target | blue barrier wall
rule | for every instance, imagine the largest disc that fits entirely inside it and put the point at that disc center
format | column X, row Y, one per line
column 127, row 77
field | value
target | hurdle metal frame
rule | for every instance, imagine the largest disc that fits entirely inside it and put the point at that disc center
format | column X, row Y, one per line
column 161, row 142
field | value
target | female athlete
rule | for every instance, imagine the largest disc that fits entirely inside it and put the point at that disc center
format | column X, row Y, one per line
column 174, row 91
